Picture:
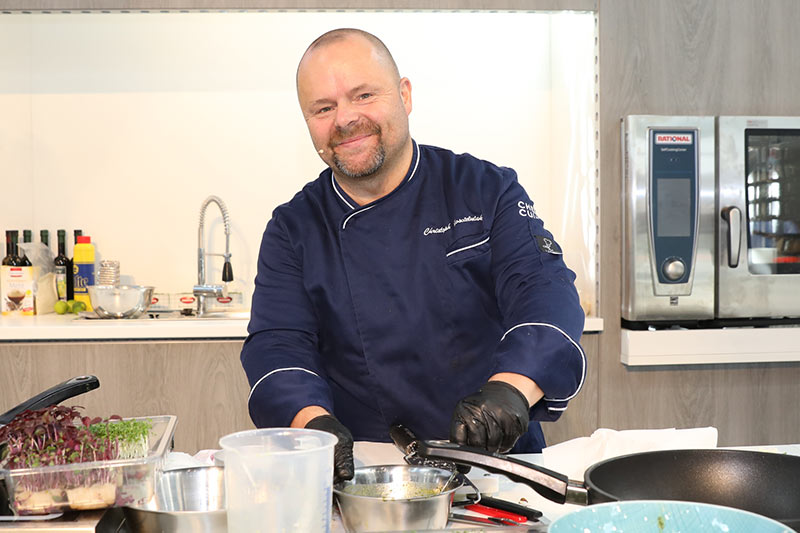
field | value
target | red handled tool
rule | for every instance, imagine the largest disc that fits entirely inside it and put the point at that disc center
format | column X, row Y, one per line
column 495, row 513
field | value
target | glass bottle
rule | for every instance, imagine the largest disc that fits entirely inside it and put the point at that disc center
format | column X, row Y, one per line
column 11, row 258
column 44, row 235
column 71, row 269
column 27, row 236
column 61, row 263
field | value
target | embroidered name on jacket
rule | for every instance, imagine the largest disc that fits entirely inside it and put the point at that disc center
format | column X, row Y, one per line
column 444, row 229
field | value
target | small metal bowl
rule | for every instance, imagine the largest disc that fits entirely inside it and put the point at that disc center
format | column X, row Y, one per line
column 120, row 301
column 396, row 498
column 186, row 500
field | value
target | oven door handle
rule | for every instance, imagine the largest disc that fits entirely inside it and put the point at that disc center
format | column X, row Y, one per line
column 733, row 216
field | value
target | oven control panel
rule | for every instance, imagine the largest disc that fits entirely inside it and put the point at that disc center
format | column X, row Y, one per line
column 673, row 204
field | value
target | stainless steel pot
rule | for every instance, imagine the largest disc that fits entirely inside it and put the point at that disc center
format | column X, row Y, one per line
column 396, row 498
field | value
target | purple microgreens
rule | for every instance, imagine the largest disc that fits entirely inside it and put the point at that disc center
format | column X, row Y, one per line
column 60, row 435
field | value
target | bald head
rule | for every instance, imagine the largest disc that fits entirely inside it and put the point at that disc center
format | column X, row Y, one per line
column 380, row 51
column 356, row 107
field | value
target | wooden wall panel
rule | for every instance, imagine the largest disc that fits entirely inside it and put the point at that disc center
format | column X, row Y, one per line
column 580, row 418
column 202, row 383
column 706, row 57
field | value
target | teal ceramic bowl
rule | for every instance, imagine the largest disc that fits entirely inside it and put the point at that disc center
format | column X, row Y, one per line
column 660, row 516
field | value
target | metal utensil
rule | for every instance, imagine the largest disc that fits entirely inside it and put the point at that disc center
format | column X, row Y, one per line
column 489, row 520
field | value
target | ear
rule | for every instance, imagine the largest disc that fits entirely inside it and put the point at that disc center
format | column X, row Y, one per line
column 405, row 94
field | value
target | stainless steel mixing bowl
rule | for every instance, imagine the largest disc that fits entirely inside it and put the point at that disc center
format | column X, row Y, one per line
column 120, row 301
column 186, row 500
column 396, row 498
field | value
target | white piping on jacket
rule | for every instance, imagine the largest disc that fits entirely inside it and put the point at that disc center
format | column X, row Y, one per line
column 468, row 247
column 414, row 171
column 354, row 213
column 578, row 346
column 268, row 374
column 333, row 184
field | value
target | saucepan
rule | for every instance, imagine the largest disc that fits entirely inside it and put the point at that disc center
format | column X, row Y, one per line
column 52, row 396
column 764, row 483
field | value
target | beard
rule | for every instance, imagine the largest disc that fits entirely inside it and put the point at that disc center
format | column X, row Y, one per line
column 374, row 160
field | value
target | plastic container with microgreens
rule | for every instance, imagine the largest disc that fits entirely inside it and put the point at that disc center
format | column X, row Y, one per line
column 59, row 460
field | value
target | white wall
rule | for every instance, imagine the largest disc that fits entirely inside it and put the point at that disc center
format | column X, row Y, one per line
column 121, row 124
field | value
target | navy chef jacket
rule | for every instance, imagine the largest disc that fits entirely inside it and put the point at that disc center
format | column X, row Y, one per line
column 395, row 310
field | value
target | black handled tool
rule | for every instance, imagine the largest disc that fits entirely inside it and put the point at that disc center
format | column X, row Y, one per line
column 511, row 507
column 407, row 442
column 52, row 396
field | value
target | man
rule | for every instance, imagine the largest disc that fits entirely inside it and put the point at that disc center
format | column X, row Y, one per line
column 406, row 284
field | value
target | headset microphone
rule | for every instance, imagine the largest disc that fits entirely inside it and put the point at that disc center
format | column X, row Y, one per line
column 321, row 151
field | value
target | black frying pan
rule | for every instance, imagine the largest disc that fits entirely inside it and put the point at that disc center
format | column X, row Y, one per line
column 52, row 396
column 764, row 483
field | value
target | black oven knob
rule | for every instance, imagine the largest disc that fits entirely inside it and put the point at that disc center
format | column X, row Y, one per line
column 674, row 269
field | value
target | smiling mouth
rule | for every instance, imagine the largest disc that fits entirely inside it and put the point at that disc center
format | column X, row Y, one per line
column 353, row 140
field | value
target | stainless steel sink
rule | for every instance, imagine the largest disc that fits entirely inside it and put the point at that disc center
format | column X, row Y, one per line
column 210, row 315
column 229, row 315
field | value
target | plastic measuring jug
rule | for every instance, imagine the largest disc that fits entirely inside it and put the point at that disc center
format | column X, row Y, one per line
column 279, row 480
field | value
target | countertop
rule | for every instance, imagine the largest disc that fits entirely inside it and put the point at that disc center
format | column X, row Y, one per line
column 366, row 454
column 52, row 327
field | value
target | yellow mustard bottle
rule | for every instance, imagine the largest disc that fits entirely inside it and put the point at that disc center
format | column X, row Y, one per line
column 83, row 269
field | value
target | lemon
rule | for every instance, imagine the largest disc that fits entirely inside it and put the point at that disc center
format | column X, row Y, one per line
column 61, row 307
column 70, row 305
column 77, row 307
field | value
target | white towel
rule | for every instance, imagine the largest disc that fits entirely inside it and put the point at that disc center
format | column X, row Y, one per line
column 573, row 457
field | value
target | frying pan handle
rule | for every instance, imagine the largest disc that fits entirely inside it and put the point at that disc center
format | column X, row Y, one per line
column 552, row 485
column 52, row 396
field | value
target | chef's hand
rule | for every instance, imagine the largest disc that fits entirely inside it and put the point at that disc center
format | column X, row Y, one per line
column 343, row 451
column 493, row 418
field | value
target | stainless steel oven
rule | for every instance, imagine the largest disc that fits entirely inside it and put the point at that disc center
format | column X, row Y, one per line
column 711, row 220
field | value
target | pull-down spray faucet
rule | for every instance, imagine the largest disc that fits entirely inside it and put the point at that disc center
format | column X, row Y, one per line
column 203, row 290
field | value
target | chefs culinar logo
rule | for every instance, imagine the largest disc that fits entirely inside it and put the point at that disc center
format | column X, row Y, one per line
column 526, row 210
column 673, row 138
column 444, row 229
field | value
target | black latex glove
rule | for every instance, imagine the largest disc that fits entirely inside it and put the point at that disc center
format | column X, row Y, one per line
column 343, row 451
column 493, row 418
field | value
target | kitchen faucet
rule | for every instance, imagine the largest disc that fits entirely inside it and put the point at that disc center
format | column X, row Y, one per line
column 202, row 290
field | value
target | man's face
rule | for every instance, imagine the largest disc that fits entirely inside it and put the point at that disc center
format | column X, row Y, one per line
column 355, row 106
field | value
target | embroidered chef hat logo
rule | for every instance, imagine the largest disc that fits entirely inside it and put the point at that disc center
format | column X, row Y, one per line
column 548, row 245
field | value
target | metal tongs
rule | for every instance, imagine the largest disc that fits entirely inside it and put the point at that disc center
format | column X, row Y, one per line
column 499, row 512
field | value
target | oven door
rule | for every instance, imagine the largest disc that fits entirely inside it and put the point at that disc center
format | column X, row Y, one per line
column 758, row 260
